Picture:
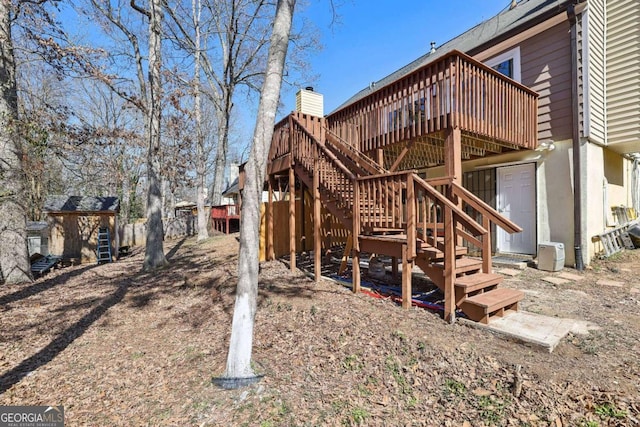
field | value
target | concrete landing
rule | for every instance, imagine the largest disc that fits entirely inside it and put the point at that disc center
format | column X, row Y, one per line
column 510, row 261
column 536, row 329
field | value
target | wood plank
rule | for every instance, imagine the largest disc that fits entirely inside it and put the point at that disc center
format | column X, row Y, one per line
column 478, row 281
column 407, row 268
column 292, row 219
column 496, row 299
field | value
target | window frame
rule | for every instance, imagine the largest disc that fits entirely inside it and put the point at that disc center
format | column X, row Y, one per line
column 514, row 55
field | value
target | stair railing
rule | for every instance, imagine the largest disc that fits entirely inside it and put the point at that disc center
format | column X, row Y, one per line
column 334, row 177
column 354, row 154
column 488, row 215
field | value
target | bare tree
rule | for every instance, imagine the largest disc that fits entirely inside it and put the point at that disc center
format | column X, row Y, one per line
column 14, row 254
column 241, row 343
column 226, row 39
column 201, row 152
column 154, row 250
column 144, row 93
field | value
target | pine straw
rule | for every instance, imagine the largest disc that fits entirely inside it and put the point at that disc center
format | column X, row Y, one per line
column 116, row 346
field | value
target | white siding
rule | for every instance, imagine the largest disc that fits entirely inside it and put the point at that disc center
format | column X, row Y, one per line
column 309, row 102
column 623, row 75
column 594, row 72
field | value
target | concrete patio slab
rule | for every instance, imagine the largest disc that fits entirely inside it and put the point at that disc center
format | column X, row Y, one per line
column 607, row 282
column 535, row 329
column 555, row 280
column 570, row 276
column 510, row 272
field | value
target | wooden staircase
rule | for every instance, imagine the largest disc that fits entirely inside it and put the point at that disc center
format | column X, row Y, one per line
column 403, row 216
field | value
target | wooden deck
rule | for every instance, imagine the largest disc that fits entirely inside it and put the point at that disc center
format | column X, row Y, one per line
column 224, row 216
column 360, row 163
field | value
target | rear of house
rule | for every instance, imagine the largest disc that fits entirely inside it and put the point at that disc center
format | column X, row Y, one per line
column 583, row 60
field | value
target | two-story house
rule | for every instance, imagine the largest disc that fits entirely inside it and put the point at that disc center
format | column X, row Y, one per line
column 526, row 127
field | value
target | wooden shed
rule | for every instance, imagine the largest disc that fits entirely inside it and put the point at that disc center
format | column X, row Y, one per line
column 74, row 223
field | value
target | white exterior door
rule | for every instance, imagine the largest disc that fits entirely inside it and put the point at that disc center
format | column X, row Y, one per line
column 516, row 200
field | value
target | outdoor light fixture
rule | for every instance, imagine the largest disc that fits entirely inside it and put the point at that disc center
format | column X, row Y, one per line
column 546, row 146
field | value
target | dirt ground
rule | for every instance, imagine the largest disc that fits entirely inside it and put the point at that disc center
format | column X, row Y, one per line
column 119, row 347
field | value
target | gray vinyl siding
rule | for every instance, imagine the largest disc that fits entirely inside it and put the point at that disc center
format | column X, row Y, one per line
column 623, row 71
column 594, row 71
column 546, row 68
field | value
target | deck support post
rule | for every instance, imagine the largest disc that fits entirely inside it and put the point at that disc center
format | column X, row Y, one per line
column 355, row 269
column 292, row 219
column 453, row 155
column 317, row 225
column 380, row 157
column 407, row 267
column 355, row 238
column 269, row 238
column 303, row 226
column 453, row 165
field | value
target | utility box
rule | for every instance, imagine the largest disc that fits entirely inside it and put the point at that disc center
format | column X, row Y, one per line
column 550, row 256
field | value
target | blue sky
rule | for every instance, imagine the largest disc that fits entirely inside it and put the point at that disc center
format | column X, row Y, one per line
column 377, row 37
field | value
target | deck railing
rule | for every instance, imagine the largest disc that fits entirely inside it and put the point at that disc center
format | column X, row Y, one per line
column 453, row 91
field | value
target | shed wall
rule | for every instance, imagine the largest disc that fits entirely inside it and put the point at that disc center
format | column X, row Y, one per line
column 74, row 236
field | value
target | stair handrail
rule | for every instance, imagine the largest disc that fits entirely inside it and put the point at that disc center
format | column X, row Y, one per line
column 371, row 166
column 463, row 217
column 324, row 149
column 485, row 209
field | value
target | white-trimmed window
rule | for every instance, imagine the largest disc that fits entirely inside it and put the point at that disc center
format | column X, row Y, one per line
column 507, row 63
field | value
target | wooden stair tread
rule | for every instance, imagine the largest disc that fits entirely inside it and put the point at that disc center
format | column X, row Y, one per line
column 399, row 238
column 477, row 281
column 435, row 253
column 496, row 299
column 463, row 265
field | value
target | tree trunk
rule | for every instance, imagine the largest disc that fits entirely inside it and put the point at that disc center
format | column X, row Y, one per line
column 14, row 253
column 220, row 164
column 201, row 158
column 241, row 343
column 154, row 251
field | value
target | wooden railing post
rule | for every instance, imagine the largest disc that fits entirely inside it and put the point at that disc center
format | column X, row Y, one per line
column 411, row 217
column 355, row 234
column 449, row 266
column 317, row 238
column 292, row 218
column 407, row 267
column 270, row 234
column 486, row 245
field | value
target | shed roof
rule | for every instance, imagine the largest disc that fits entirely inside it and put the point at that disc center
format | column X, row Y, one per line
column 81, row 204
column 525, row 14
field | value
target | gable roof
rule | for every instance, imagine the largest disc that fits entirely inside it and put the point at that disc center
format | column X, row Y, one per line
column 526, row 14
column 81, row 204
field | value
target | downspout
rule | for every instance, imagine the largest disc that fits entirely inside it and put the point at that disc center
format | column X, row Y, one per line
column 577, row 166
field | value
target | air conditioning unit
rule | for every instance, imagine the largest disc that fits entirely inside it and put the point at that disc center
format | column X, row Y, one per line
column 550, row 256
